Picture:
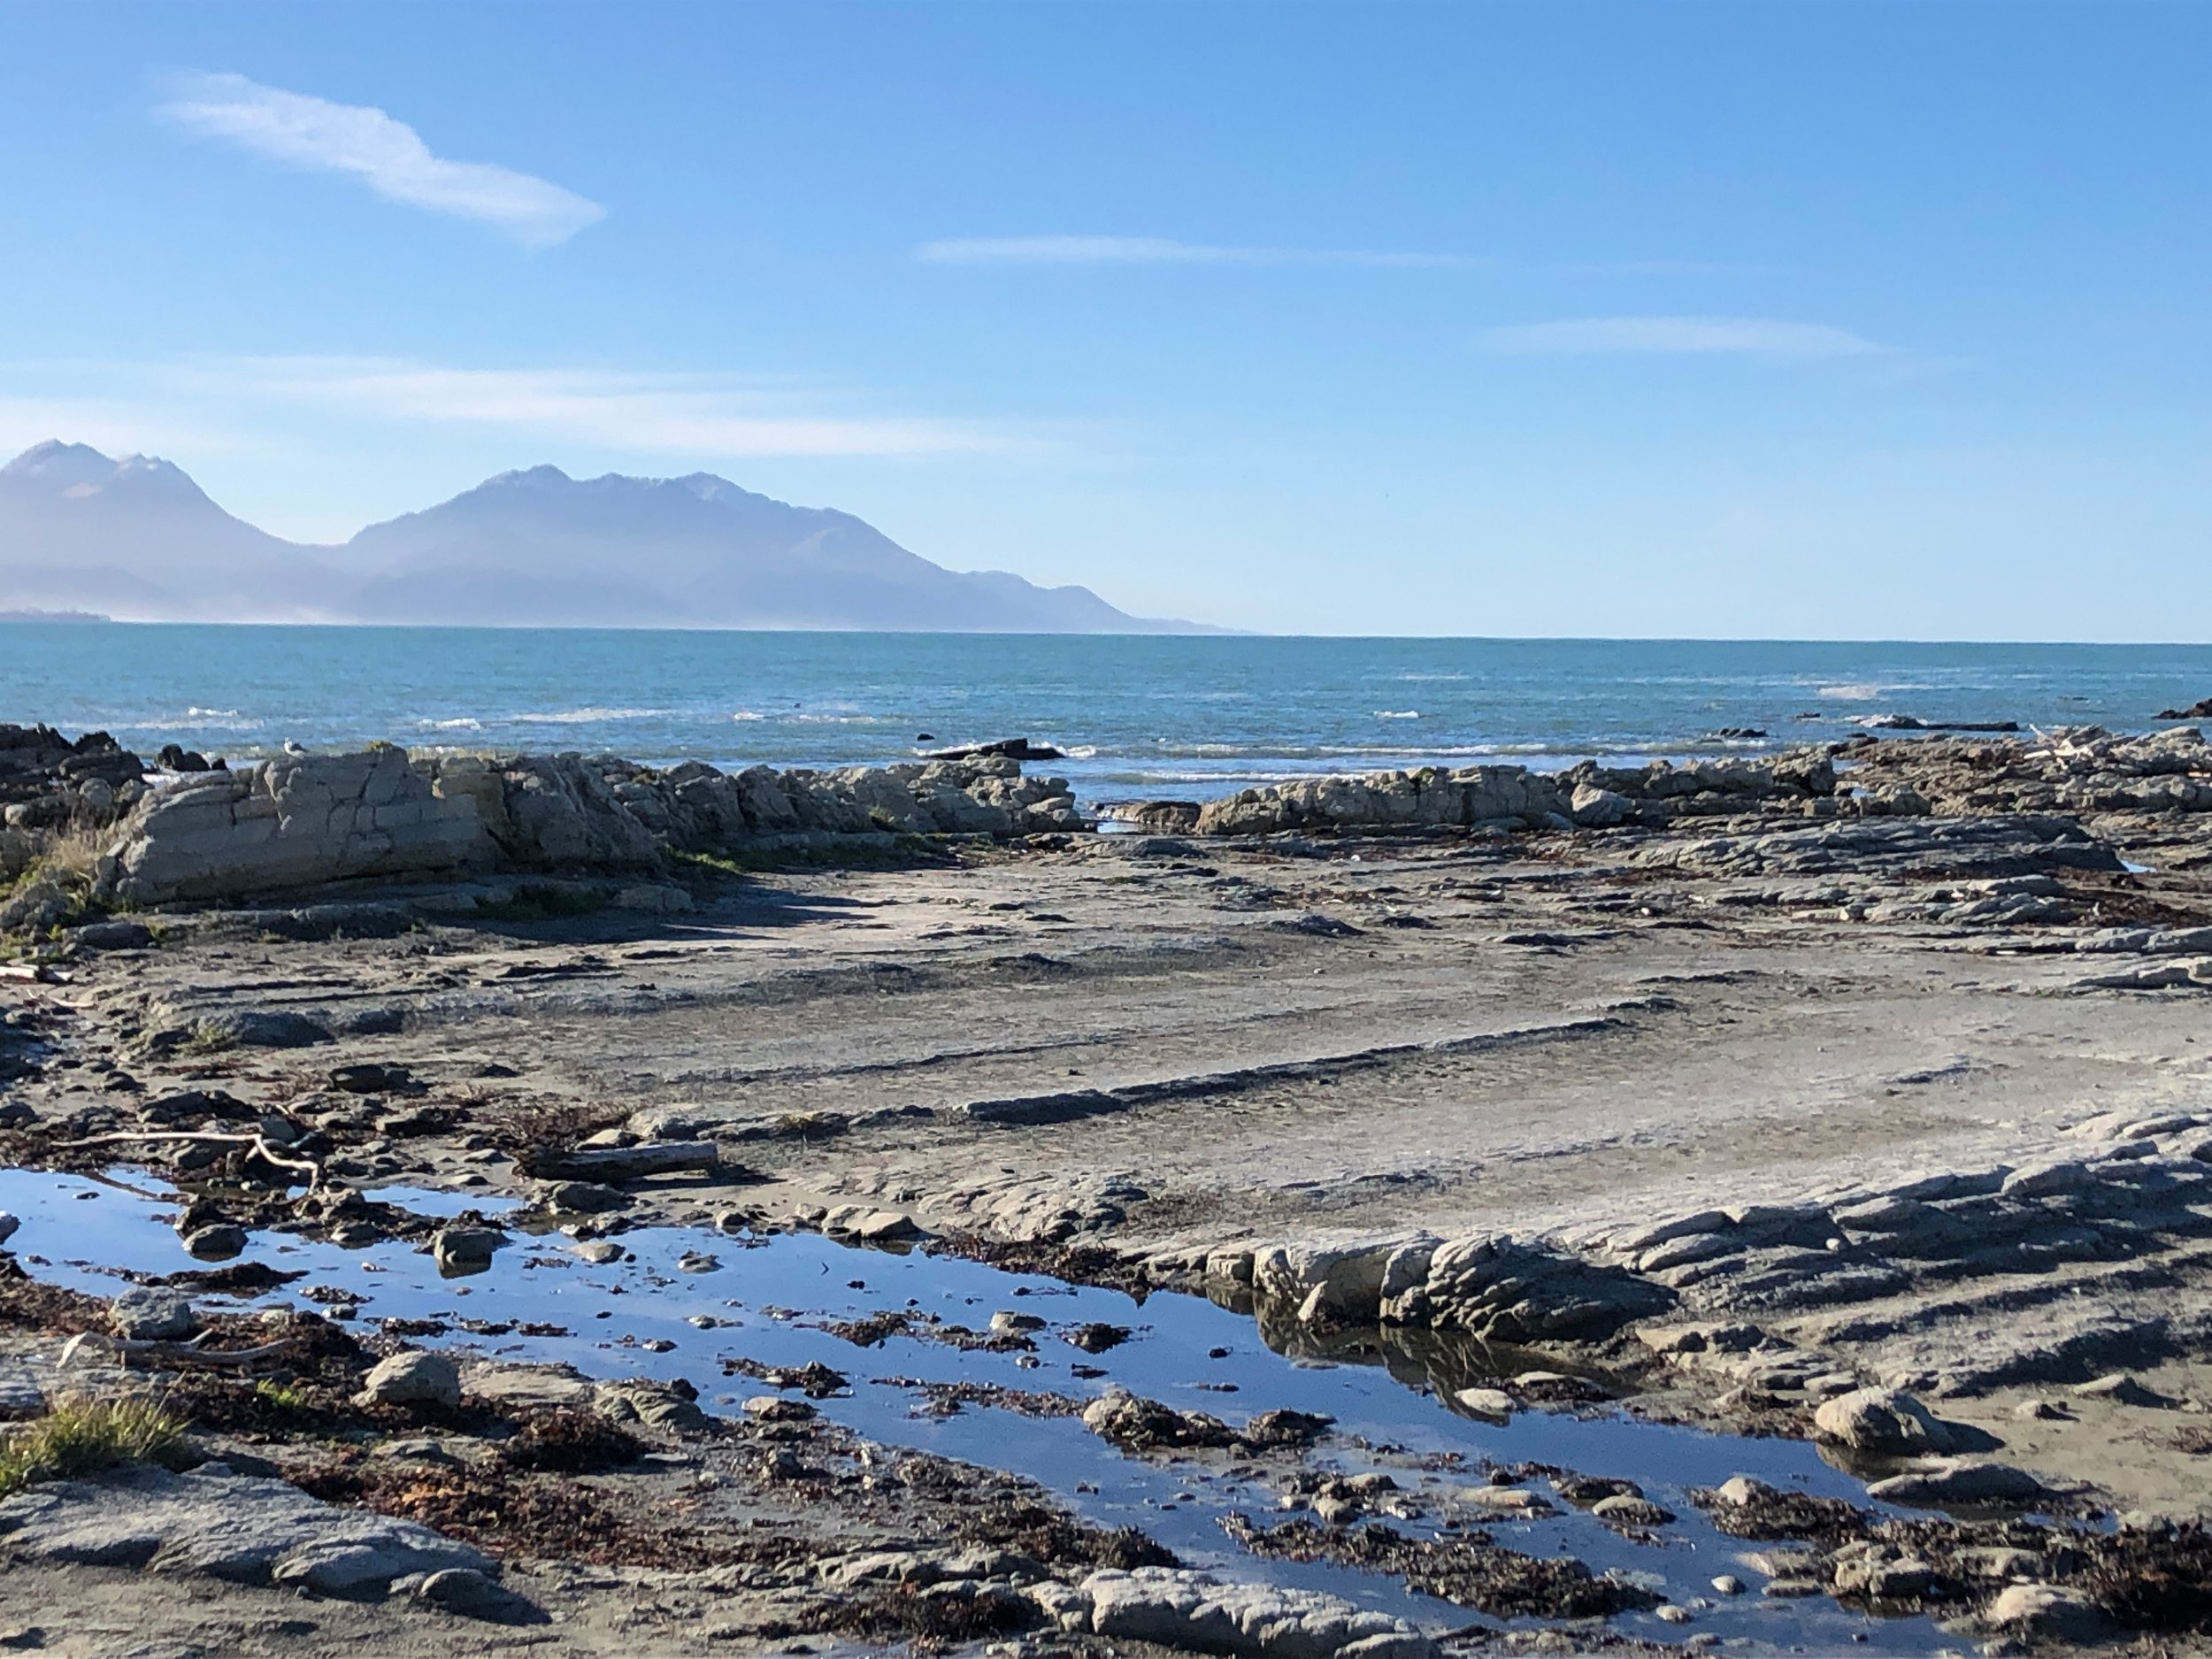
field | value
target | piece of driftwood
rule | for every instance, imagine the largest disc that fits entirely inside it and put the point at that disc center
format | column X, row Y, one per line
column 258, row 1144
column 627, row 1164
column 188, row 1353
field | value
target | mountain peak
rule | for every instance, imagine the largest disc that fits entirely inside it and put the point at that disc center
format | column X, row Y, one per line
column 61, row 462
column 76, row 469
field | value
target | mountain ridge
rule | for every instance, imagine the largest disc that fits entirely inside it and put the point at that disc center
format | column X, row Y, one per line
column 136, row 538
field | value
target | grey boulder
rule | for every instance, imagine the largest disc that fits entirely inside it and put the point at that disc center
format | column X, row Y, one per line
column 153, row 1315
column 1883, row 1421
column 413, row 1378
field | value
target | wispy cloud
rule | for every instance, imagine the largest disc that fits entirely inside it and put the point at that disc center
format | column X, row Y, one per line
column 1739, row 336
column 1064, row 250
column 387, row 154
column 643, row 414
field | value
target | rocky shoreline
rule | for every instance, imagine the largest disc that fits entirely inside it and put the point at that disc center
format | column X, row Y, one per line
column 1857, row 1095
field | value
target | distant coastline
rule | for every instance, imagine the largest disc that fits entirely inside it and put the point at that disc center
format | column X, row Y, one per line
column 34, row 614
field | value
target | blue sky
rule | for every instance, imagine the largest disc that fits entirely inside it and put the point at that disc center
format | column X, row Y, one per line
column 1682, row 319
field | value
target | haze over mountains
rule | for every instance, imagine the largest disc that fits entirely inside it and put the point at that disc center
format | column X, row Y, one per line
column 137, row 539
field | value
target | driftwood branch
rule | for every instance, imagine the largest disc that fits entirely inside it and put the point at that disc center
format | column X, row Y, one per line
column 258, row 1144
column 177, row 1353
column 627, row 1164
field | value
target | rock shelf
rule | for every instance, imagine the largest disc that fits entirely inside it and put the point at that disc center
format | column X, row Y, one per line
column 1858, row 1097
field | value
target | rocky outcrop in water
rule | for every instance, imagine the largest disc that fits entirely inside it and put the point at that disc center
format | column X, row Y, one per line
column 1587, row 797
column 2075, row 772
column 2079, row 770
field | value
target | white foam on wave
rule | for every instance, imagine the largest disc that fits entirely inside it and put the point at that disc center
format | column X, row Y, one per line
column 747, row 714
column 1397, row 714
column 464, row 724
column 196, row 720
column 589, row 716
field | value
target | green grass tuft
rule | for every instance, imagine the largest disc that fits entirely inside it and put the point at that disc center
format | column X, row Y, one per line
column 79, row 1437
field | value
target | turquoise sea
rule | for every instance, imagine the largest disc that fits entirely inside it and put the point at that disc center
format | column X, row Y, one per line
column 1138, row 715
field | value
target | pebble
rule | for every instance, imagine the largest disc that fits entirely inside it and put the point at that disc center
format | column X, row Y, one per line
column 1668, row 1613
column 1728, row 1584
column 8, row 1225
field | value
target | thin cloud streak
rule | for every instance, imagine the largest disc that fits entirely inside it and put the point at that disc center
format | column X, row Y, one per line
column 1069, row 250
column 1680, row 336
column 675, row 415
column 387, row 154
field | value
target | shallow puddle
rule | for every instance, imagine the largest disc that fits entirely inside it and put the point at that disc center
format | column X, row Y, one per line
column 766, row 1298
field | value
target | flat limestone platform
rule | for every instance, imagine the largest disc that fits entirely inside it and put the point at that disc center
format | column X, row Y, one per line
column 1148, row 1045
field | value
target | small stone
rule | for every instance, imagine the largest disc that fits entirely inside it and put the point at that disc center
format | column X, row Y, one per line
column 774, row 1409
column 1623, row 1509
column 1883, row 1421
column 2040, row 1411
column 1006, row 1324
column 1728, row 1584
column 472, row 1594
column 583, row 1198
column 2045, row 1610
column 1492, row 1405
column 463, row 1250
column 1668, row 1613
column 1791, row 1589
column 412, row 1379
column 8, row 1225
column 1506, row 1500
column 1740, row 1490
column 698, row 1262
column 1097, row 1337
column 218, row 1243
column 417, row 1450
column 881, row 1226
column 600, row 1252
column 153, row 1315
column 2121, row 1389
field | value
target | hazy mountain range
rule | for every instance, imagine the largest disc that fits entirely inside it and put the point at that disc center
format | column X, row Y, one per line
column 136, row 539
